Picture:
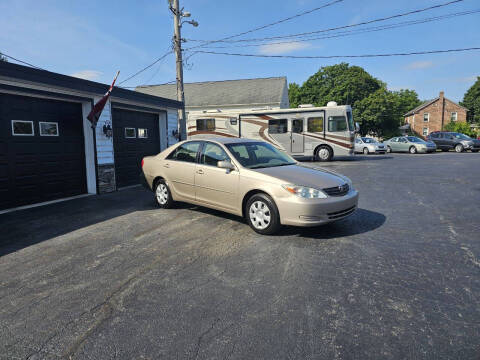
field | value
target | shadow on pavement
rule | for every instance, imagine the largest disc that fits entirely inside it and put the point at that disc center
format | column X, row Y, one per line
column 23, row 228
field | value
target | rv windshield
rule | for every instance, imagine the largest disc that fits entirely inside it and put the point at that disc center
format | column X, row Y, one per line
column 351, row 125
column 255, row 155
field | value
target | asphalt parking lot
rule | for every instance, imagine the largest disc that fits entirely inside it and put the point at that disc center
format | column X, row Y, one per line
column 112, row 276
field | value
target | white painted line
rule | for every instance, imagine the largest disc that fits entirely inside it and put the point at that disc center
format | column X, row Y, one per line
column 43, row 203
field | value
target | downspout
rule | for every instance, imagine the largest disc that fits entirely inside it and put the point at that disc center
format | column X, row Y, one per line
column 443, row 111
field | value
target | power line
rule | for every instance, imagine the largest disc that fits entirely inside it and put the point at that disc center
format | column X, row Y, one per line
column 340, row 56
column 146, row 67
column 22, row 62
column 334, row 28
column 355, row 32
column 269, row 25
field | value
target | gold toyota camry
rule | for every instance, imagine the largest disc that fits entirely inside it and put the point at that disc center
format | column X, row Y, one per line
column 252, row 179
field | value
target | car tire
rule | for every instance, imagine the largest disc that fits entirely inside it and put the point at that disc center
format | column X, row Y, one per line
column 262, row 214
column 412, row 150
column 389, row 149
column 365, row 151
column 459, row 148
column 323, row 153
column 162, row 194
column 474, row 150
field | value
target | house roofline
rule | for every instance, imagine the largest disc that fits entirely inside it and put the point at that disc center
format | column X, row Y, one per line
column 428, row 103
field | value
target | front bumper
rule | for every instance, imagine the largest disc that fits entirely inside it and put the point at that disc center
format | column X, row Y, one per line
column 312, row 212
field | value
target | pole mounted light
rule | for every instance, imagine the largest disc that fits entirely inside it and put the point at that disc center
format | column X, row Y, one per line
column 178, row 14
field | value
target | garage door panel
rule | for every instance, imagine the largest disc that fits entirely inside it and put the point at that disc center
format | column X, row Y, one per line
column 130, row 151
column 39, row 166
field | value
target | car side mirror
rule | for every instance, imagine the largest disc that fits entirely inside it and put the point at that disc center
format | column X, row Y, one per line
column 357, row 127
column 225, row 165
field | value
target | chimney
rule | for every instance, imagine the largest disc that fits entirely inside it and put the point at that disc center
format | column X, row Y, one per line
column 442, row 95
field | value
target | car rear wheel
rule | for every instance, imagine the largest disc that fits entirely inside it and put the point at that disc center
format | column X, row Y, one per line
column 365, row 151
column 163, row 196
column 389, row 149
column 413, row 150
column 323, row 153
column 475, row 150
column 262, row 214
column 459, row 148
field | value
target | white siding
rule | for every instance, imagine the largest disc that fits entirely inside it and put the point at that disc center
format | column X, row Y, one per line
column 104, row 144
column 172, row 126
column 162, row 120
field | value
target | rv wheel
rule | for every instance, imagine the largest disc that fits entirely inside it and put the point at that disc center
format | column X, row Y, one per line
column 323, row 153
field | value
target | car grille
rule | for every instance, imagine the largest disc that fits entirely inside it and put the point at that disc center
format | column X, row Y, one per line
column 342, row 213
column 337, row 190
column 380, row 146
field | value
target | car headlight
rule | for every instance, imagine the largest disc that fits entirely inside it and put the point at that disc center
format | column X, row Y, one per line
column 305, row 192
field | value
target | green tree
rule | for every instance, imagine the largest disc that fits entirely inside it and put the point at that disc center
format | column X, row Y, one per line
column 294, row 95
column 471, row 100
column 460, row 127
column 342, row 83
column 405, row 100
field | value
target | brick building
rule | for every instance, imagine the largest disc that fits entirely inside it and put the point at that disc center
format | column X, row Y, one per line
column 434, row 114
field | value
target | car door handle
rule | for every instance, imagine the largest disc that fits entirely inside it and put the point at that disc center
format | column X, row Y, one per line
column 200, row 171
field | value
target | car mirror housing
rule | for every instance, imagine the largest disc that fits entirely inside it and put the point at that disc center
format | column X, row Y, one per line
column 225, row 165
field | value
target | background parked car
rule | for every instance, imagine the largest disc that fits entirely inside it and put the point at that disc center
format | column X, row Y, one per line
column 452, row 140
column 369, row 145
column 411, row 144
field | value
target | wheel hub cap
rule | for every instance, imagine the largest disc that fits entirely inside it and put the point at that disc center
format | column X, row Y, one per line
column 259, row 214
column 162, row 194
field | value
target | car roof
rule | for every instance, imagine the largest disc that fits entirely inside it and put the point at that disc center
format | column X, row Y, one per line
column 226, row 140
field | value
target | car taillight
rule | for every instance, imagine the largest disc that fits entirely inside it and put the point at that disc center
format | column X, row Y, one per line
column 143, row 161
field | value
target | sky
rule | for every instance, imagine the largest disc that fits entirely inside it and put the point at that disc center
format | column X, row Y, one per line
column 93, row 39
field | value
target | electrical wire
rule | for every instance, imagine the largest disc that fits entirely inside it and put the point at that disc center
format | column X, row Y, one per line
column 146, row 67
column 269, row 25
column 354, row 32
column 22, row 62
column 205, row 42
column 340, row 56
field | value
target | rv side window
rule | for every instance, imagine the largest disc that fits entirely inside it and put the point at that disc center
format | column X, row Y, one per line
column 315, row 124
column 206, row 124
column 337, row 123
column 277, row 126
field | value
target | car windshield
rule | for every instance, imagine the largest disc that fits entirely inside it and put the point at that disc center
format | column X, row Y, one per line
column 415, row 139
column 255, row 155
column 461, row 136
column 368, row 140
column 351, row 125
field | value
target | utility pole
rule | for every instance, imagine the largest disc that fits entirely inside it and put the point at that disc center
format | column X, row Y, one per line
column 177, row 44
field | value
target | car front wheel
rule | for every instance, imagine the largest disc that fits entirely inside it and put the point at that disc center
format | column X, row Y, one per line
column 262, row 214
column 389, row 149
column 459, row 148
column 413, row 150
column 163, row 196
column 365, row 151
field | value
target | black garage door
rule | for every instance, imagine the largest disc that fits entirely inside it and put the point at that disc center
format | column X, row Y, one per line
column 135, row 135
column 42, row 154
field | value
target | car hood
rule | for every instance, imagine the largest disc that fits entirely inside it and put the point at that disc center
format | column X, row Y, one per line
column 303, row 175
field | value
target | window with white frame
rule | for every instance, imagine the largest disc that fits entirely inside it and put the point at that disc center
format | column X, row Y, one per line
column 130, row 133
column 453, row 116
column 22, row 128
column 426, row 117
column 142, row 133
column 425, row 131
column 48, row 128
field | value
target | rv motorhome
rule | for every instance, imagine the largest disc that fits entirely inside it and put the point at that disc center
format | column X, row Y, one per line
column 321, row 132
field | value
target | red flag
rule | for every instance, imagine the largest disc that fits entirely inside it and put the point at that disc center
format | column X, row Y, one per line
column 98, row 108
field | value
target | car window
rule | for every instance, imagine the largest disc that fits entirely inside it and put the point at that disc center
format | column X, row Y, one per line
column 255, row 155
column 212, row 154
column 315, row 124
column 186, row 152
column 358, row 141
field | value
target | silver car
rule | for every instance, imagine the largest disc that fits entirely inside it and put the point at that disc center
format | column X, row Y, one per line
column 368, row 145
column 411, row 144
